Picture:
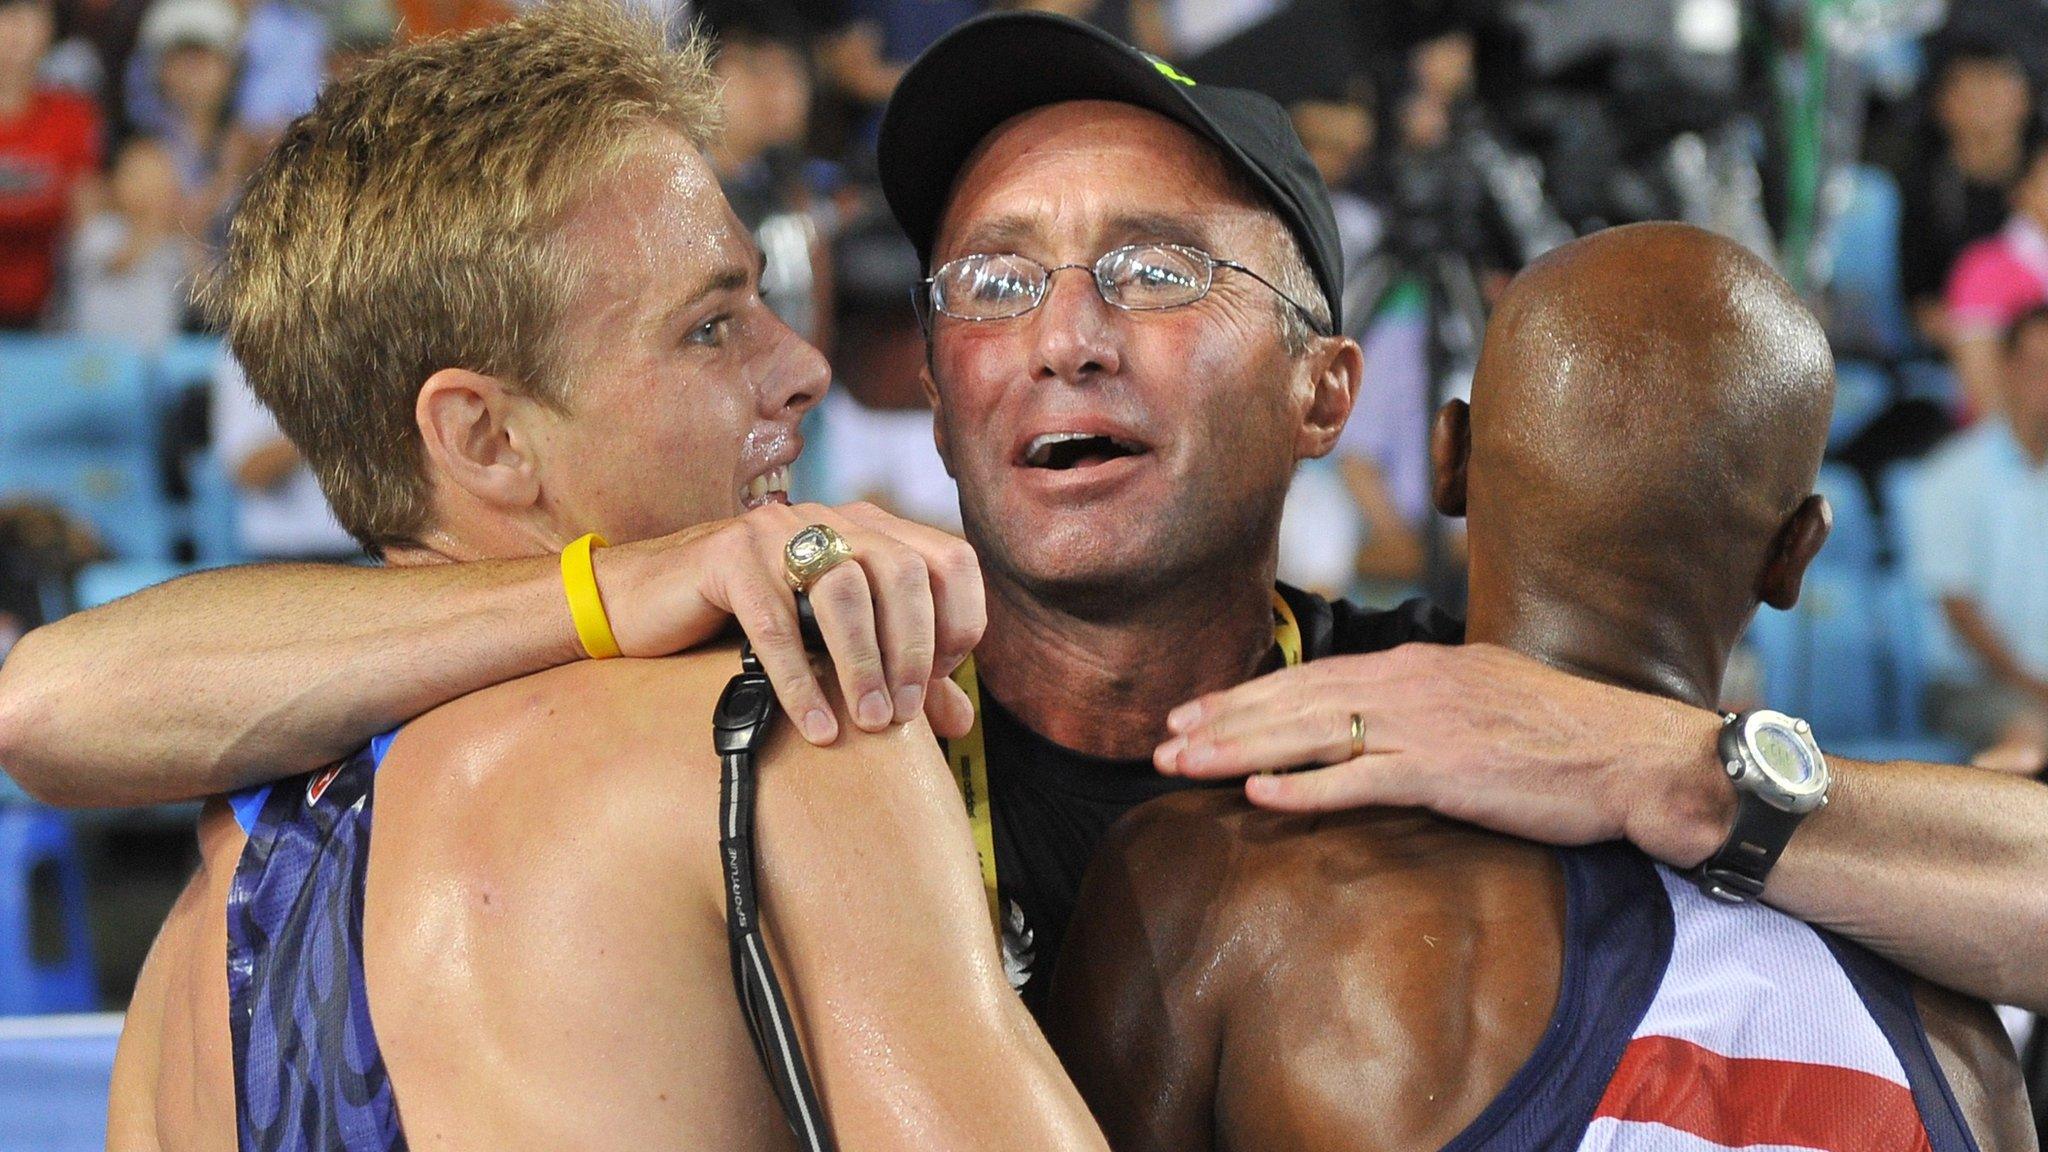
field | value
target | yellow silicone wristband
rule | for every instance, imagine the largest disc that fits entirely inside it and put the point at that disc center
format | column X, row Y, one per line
column 586, row 607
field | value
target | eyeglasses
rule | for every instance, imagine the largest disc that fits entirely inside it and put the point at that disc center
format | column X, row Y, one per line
column 1135, row 278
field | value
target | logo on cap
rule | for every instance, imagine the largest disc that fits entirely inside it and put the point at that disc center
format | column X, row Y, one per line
column 1169, row 71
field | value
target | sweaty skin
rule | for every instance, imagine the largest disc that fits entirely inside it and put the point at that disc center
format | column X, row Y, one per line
column 546, row 957
column 1636, row 464
column 224, row 679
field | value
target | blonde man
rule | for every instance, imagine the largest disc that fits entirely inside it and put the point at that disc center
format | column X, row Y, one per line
column 492, row 292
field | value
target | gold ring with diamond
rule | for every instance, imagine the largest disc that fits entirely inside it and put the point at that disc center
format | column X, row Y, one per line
column 811, row 553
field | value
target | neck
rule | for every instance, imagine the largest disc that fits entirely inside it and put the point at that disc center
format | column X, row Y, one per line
column 1103, row 685
column 1653, row 654
column 1988, row 159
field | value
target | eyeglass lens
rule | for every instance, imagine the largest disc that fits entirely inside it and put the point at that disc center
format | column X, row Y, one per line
column 1145, row 276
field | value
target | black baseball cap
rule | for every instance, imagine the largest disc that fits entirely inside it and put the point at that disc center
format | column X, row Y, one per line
column 995, row 67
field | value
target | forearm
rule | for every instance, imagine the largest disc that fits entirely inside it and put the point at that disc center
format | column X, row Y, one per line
column 1939, row 868
column 224, row 679
column 1936, row 867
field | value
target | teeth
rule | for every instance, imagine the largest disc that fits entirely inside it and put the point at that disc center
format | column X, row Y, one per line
column 1039, row 451
column 774, row 481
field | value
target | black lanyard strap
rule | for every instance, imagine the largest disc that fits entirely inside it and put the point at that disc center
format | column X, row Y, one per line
column 739, row 728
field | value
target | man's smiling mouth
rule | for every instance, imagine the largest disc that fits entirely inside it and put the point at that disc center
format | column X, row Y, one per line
column 1061, row 451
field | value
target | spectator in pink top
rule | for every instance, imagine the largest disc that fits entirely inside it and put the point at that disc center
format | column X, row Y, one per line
column 1995, row 281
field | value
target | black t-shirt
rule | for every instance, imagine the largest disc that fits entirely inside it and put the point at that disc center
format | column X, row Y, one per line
column 1051, row 805
column 1942, row 212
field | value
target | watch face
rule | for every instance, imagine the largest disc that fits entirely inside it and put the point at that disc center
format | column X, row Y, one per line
column 1783, row 755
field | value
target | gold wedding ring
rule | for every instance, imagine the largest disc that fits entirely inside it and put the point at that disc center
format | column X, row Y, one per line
column 1357, row 735
column 811, row 553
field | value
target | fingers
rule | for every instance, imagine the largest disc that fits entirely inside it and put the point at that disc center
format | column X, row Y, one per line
column 896, row 619
column 1281, row 736
column 905, row 619
column 960, row 611
column 950, row 711
column 844, row 603
column 1371, row 779
column 749, row 579
column 905, row 611
column 766, row 612
column 881, row 607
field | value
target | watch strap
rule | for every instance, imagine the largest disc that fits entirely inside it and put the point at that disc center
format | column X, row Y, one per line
column 1737, row 872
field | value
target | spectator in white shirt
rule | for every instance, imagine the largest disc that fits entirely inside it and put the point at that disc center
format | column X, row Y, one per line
column 281, row 514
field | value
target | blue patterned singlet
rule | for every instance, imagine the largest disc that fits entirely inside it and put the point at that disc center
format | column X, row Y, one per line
column 309, row 1076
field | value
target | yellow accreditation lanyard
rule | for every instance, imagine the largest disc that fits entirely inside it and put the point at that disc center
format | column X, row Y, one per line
column 969, row 755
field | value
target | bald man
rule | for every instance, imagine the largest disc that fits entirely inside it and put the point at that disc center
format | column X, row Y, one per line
column 1637, row 465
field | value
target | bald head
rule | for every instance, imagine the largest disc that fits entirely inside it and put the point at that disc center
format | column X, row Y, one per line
column 1649, row 414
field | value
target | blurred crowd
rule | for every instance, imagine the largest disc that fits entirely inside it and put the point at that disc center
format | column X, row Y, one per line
column 1887, row 154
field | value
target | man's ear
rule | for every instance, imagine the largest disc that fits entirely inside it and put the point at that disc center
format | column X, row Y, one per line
column 1798, row 542
column 1450, row 449
column 931, row 397
column 1336, row 367
column 476, row 437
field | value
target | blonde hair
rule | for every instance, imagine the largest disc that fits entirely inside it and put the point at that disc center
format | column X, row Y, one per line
column 407, row 224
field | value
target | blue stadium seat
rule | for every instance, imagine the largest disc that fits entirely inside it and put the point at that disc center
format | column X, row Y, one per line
column 42, row 885
column 1869, row 304
column 1934, row 642
column 1863, row 391
column 1853, row 542
column 1847, row 657
column 54, row 1072
column 186, row 361
column 1933, row 381
column 1898, row 486
column 215, row 533
column 115, row 491
column 1901, row 621
column 69, row 391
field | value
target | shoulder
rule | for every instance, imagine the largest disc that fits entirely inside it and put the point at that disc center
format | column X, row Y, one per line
column 1987, row 270
column 591, row 769
column 599, row 769
column 1992, row 254
column 551, row 726
column 1264, row 882
column 1419, row 956
column 1976, row 1058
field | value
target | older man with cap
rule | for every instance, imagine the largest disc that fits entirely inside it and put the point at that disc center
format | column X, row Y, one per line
column 1131, row 315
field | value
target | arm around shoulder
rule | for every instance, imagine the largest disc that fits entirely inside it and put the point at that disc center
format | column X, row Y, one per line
column 229, row 678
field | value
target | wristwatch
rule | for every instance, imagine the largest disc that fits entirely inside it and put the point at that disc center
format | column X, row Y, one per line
column 1780, row 778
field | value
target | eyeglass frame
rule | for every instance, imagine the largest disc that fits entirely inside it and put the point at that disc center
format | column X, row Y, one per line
column 922, row 296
